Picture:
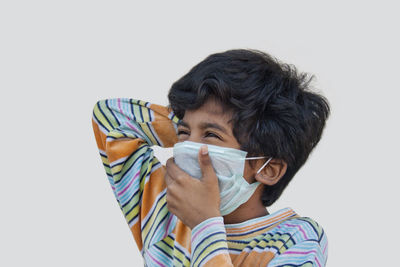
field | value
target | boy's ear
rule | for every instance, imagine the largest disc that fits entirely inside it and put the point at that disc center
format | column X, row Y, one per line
column 272, row 173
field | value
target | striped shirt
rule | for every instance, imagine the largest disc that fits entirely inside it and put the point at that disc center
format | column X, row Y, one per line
column 125, row 129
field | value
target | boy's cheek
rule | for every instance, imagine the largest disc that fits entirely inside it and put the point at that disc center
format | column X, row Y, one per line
column 181, row 138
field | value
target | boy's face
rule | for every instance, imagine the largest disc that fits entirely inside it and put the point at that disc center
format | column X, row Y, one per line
column 209, row 124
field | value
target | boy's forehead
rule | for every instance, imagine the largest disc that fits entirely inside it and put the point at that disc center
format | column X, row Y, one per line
column 210, row 111
column 213, row 108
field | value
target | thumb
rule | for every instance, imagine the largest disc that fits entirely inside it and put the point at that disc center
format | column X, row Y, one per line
column 207, row 170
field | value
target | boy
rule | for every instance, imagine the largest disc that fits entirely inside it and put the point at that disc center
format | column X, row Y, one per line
column 240, row 109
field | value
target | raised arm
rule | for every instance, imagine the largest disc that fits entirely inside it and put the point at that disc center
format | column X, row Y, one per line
column 125, row 129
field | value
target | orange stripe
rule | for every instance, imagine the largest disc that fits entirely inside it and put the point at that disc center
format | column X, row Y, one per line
column 160, row 111
column 183, row 235
column 253, row 258
column 99, row 135
column 239, row 259
column 221, row 260
column 166, row 132
column 266, row 258
column 152, row 190
column 137, row 234
column 120, row 148
column 163, row 126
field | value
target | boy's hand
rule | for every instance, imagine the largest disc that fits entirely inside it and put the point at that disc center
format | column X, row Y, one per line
column 193, row 200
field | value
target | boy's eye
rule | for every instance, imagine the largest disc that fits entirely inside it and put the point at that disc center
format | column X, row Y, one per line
column 182, row 132
column 209, row 134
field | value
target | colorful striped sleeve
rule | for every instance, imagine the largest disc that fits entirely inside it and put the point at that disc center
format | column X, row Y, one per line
column 125, row 129
column 209, row 246
column 310, row 245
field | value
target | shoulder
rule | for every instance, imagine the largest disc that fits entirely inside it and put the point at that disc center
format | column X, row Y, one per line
column 303, row 231
column 306, row 243
column 304, row 228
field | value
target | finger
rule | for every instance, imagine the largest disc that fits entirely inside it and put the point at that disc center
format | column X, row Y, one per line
column 175, row 173
column 170, row 202
column 168, row 179
column 207, row 170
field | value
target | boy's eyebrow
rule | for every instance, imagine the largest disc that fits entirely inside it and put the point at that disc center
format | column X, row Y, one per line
column 182, row 123
column 205, row 125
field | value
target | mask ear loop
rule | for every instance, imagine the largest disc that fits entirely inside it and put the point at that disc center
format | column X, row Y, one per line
column 255, row 158
column 265, row 164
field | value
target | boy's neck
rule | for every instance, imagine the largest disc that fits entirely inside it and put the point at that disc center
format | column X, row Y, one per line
column 251, row 209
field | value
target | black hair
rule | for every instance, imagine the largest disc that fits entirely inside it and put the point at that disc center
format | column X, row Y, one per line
column 275, row 113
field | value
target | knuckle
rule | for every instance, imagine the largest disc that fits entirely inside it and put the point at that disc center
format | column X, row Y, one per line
column 177, row 180
column 172, row 193
column 180, row 177
column 170, row 189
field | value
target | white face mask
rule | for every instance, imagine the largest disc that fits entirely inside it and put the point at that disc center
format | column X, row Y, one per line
column 228, row 164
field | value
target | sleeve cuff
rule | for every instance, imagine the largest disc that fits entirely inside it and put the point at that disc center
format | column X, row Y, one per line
column 208, row 238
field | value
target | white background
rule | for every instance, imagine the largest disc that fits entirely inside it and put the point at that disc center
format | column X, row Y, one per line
column 57, row 58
